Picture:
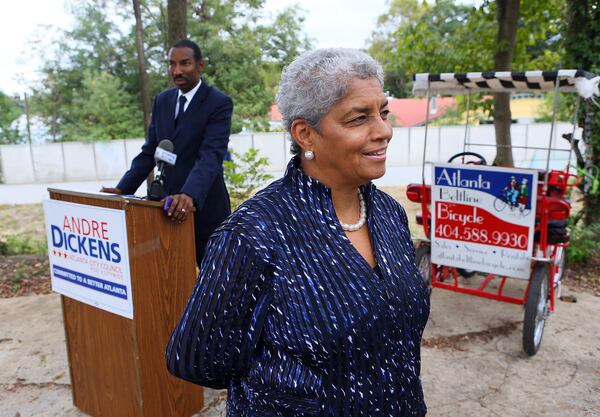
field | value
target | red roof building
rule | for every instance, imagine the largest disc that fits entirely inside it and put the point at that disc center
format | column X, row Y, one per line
column 274, row 115
column 409, row 112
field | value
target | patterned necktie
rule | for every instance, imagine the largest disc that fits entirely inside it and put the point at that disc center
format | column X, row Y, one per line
column 180, row 110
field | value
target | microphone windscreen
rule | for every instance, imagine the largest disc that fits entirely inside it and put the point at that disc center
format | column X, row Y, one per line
column 166, row 144
column 164, row 153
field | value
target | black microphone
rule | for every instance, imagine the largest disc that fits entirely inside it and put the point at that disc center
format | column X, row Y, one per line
column 164, row 157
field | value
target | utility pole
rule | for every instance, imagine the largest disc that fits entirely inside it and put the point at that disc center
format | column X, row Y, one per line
column 26, row 107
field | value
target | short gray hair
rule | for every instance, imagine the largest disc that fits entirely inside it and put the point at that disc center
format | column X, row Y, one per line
column 316, row 80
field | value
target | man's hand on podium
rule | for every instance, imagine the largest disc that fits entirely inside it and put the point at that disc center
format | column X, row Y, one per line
column 181, row 205
column 111, row 190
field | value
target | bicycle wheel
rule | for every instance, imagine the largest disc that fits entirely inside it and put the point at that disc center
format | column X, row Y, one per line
column 423, row 261
column 536, row 309
column 499, row 204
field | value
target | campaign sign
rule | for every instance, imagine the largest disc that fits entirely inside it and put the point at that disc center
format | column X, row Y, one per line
column 483, row 218
column 89, row 259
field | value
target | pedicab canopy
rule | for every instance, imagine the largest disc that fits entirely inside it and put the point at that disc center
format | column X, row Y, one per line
column 583, row 82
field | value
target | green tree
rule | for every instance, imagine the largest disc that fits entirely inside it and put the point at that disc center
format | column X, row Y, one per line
column 507, row 18
column 95, row 45
column 443, row 36
column 244, row 174
column 244, row 53
column 447, row 37
column 141, row 59
column 104, row 110
column 176, row 20
column 564, row 109
column 417, row 36
column 582, row 44
column 9, row 113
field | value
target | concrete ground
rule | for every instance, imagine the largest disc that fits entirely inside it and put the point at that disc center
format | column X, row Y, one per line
column 473, row 364
column 36, row 193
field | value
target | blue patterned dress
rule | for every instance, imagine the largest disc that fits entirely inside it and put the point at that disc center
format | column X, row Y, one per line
column 290, row 318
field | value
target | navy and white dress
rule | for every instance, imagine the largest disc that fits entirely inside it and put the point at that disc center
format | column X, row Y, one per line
column 292, row 320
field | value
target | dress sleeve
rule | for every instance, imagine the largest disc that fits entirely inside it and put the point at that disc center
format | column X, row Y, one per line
column 223, row 319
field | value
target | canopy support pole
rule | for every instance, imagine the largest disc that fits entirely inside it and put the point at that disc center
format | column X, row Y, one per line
column 467, row 124
column 572, row 141
column 552, row 132
column 426, row 127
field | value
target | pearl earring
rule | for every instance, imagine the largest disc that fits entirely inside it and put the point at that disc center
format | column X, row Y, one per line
column 310, row 155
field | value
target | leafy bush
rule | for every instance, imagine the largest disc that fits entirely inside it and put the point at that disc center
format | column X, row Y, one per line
column 585, row 242
column 244, row 174
column 17, row 245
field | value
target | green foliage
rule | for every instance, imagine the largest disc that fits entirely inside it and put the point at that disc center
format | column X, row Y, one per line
column 565, row 108
column 244, row 177
column 9, row 112
column 420, row 37
column 94, row 47
column 592, row 176
column 96, row 60
column 17, row 278
column 245, row 55
column 22, row 245
column 582, row 43
column 448, row 37
column 104, row 110
column 584, row 244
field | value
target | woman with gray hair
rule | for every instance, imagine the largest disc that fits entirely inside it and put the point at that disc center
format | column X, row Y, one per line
column 308, row 301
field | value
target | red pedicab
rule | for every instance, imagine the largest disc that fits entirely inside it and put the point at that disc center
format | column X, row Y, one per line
column 547, row 236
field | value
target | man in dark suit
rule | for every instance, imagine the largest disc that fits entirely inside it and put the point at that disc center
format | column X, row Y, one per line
column 197, row 119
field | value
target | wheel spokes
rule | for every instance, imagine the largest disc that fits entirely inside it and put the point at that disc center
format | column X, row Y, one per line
column 542, row 311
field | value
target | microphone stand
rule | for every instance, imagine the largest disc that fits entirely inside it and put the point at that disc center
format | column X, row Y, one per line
column 156, row 191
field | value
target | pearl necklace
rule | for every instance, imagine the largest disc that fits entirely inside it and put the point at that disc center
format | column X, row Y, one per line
column 362, row 219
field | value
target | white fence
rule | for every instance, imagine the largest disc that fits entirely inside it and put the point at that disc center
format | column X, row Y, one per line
column 75, row 161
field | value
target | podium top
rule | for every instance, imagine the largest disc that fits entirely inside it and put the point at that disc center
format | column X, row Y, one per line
column 124, row 199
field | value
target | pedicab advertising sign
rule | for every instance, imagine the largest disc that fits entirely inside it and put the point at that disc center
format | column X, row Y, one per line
column 483, row 218
column 89, row 259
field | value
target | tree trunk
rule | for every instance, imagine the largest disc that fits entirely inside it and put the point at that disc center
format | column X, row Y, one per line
column 507, row 16
column 176, row 20
column 141, row 57
column 581, row 35
column 576, row 30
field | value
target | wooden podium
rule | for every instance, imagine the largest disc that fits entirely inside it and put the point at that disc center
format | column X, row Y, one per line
column 117, row 365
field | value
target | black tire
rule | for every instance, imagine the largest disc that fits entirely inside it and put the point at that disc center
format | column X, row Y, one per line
column 466, row 273
column 558, row 224
column 536, row 309
column 558, row 236
column 423, row 261
column 554, row 237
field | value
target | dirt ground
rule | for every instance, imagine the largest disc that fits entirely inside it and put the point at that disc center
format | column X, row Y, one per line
column 29, row 274
column 22, row 219
column 473, row 364
column 472, row 361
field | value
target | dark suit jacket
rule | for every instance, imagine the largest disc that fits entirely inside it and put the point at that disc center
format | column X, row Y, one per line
column 200, row 142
